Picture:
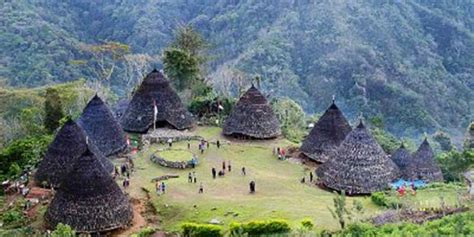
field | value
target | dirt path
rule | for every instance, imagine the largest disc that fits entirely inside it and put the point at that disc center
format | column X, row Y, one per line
column 138, row 221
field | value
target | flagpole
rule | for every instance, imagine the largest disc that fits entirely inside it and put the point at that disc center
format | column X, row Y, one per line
column 155, row 111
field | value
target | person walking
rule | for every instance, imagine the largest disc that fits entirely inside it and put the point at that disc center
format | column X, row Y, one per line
column 214, row 173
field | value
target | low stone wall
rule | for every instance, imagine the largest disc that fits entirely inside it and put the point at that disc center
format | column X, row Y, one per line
column 155, row 158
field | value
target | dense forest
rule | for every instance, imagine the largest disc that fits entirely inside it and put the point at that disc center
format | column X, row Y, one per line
column 408, row 62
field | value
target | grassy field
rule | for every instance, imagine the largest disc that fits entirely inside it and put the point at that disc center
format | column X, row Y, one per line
column 279, row 191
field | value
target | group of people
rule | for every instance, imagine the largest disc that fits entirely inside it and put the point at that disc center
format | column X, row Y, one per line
column 280, row 153
column 192, row 178
column 311, row 178
column 402, row 189
column 160, row 188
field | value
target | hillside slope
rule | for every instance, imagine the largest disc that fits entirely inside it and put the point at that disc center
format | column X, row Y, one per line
column 410, row 62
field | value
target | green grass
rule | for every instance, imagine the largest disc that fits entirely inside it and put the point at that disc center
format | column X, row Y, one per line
column 279, row 192
column 175, row 154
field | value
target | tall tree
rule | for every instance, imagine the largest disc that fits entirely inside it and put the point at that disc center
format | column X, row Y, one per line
column 53, row 110
column 184, row 60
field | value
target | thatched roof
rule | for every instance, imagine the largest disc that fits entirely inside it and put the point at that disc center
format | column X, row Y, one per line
column 120, row 108
column 253, row 117
column 68, row 145
column 359, row 166
column 103, row 130
column 401, row 157
column 327, row 135
column 88, row 199
column 138, row 116
column 423, row 165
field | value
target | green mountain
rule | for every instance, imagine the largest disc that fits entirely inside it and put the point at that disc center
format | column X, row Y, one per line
column 409, row 62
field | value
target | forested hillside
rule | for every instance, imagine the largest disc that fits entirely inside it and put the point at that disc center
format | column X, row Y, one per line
column 409, row 62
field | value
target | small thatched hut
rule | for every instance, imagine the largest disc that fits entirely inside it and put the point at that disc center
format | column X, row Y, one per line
column 252, row 117
column 423, row 165
column 401, row 157
column 88, row 199
column 155, row 89
column 359, row 166
column 69, row 144
column 327, row 134
column 103, row 130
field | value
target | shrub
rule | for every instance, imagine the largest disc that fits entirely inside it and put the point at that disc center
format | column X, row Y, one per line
column 307, row 223
column 201, row 230
column 63, row 230
column 12, row 217
column 144, row 232
column 379, row 199
column 255, row 228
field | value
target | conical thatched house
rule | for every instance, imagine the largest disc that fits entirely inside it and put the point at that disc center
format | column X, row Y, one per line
column 401, row 157
column 103, row 130
column 68, row 145
column 252, row 117
column 155, row 89
column 359, row 166
column 423, row 165
column 326, row 136
column 88, row 199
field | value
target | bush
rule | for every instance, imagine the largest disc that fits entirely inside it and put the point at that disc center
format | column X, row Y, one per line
column 201, row 230
column 12, row 217
column 256, row 228
column 379, row 199
column 144, row 232
column 63, row 230
column 307, row 223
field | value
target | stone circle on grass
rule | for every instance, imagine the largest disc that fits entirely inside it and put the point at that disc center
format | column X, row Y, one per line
column 173, row 158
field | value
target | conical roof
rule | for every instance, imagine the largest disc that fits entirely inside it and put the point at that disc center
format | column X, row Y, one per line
column 138, row 116
column 252, row 116
column 88, row 199
column 69, row 144
column 401, row 157
column 326, row 135
column 359, row 166
column 423, row 165
column 103, row 130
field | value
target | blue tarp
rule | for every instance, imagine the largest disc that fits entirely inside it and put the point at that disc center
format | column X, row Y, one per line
column 401, row 182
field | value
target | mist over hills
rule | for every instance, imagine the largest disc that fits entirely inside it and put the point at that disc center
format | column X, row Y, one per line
column 410, row 62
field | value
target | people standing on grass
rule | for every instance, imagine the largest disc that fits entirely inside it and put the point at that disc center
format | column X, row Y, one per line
column 170, row 142
column 207, row 144
column 218, row 144
column 158, row 188
column 163, row 187
column 243, row 171
column 252, row 186
column 190, row 178
column 189, row 145
column 223, row 165
column 201, row 188
column 229, row 166
column 214, row 172
column 311, row 177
